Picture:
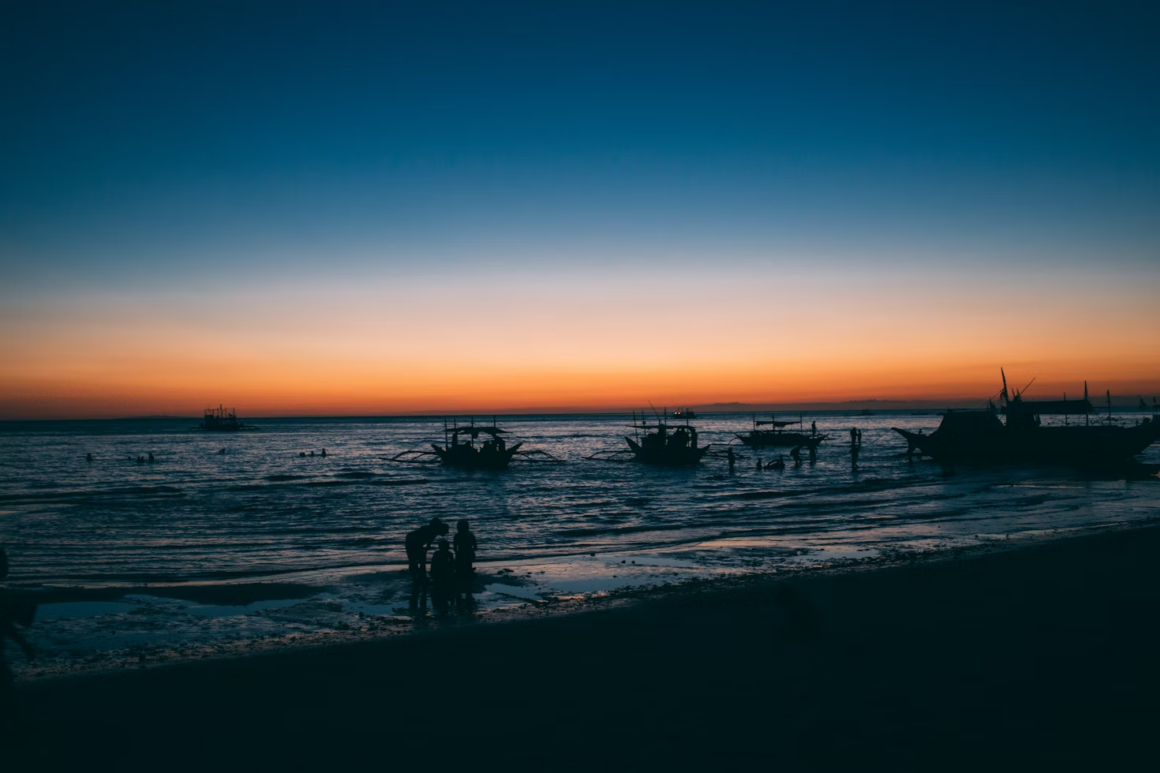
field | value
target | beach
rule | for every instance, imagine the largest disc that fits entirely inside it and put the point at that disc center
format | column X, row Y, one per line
column 1035, row 656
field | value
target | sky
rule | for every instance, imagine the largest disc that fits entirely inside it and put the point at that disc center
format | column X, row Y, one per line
column 369, row 208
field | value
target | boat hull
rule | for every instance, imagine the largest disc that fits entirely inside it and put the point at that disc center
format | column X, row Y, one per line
column 469, row 458
column 1098, row 444
column 667, row 456
column 780, row 439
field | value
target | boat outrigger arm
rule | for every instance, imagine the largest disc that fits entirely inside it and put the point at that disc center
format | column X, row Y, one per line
column 493, row 454
column 712, row 451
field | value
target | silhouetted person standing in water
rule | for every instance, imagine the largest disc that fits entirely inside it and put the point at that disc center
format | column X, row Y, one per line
column 417, row 543
column 796, row 454
column 813, row 428
column 464, row 550
column 732, row 457
column 854, row 456
column 10, row 617
column 759, row 465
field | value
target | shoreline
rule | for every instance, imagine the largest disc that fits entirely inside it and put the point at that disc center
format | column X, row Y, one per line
column 1043, row 653
column 514, row 603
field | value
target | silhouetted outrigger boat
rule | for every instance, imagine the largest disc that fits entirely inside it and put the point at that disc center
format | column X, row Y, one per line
column 221, row 420
column 777, row 437
column 459, row 449
column 980, row 436
column 660, row 444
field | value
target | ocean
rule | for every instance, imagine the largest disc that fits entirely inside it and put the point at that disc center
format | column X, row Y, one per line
column 230, row 539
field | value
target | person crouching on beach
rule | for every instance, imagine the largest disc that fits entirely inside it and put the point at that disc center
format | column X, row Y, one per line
column 464, row 550
column 443, row 565
column 417, row 543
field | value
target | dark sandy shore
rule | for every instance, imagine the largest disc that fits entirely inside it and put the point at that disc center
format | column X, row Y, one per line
column 1044, row 656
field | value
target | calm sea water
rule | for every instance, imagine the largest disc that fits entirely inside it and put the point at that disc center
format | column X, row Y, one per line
column 260, row 510
column 210, row 553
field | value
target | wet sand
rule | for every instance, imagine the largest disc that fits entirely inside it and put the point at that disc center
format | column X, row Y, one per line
column 1042, row 655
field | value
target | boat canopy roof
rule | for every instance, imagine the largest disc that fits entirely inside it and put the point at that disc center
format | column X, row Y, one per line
column 474, row 431
column 774, row 423
column 1048, row 407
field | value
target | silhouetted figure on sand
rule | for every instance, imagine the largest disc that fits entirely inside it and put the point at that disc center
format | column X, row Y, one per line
column 465, row 546
column 442, row 578
column 443, row 564
column 11, row 615
column 732, row 457
column 417, row 543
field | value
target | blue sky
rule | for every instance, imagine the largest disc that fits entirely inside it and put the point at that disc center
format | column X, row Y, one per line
column 257, row 146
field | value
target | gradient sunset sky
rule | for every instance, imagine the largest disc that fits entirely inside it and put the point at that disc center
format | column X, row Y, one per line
column 355, row 208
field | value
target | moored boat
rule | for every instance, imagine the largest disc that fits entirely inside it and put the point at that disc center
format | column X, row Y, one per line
column 459, row 449
column 776, row 436
column 659, row 443
column 980, row 436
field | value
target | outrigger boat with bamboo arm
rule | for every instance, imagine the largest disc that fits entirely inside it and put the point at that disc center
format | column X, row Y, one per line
column 979, row 435
column 459, row 449
column 777, row 437
column 660, row 443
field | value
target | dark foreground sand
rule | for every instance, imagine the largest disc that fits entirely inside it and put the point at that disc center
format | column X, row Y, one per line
column 1046, row 656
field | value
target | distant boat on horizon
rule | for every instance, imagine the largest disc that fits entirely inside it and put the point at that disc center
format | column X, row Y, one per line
column 685, row 413
column 221, row 420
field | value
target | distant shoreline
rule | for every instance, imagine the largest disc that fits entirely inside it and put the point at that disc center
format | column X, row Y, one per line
column 884, row 407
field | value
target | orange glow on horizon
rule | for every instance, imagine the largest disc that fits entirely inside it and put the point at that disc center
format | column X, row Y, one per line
column 567, row 346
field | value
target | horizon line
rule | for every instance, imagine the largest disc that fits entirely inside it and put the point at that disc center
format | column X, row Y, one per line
column 715, row 408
